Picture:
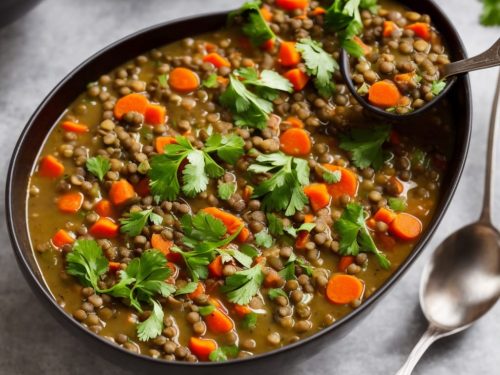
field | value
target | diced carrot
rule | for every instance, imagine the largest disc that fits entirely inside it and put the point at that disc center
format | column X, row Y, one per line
column 345, row 262
column 288, row 54
column 210, row 47
column 121, row 192
column 273, row 279
column 242, row 310
column 318, row 11
column 405, row 227
column 232, row 222
column 396, row 185
column 142, row 187
column 104, row 208
column 216, row 60
column 384, row 241
column 218, row 322
column 385, row 215
column 347, row 185
column 70, row 203
column 404, row 101
column 50, row 167
column 202, row 347
column 298, row 78
column 183, row 80
column 421, row 29
column 384, row 94
column 114, row 266
column 343, row 289
column 366, row 48
column 104, row 228
column 295, row 122
column 404, row 78
column 161, row 142
column 62, row 238
column 215, row 267
column 292, row 4
column 156, row 114
column 388, row 28
column 161, row 244
column 266, row 13
column 74, row 127
column 200, row 289
column 303, row 236
column 247, row 193
column 318, row 196
column 295, row 142
column 269, row 45
column 130, row 103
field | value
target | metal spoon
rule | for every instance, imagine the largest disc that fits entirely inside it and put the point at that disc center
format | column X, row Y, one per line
column 461, row 282
column 487, row 59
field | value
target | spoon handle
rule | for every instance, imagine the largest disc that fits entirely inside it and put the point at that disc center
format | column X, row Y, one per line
column 487, row 59
column 432, row 334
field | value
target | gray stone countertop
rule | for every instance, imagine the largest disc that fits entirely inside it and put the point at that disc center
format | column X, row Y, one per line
column 40, row 49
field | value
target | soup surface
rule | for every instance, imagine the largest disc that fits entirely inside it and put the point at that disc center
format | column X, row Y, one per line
column 224, row 195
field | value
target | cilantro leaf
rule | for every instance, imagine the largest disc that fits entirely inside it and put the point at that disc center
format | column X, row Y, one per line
column 152, row 326
column 133, row 224
column 86, row 262
column 250, row 321
column 319, row 64
column 98, row 166
column 288, row 272
column 370, row 5
column 254, row 26
column 206, row 310
column 437, row 87
column 211, row 81
column 249, row 250
column 273, row 293
column 397, row 204
column 194, row 176
column 331, row 177
column 491, row 13
column 303, row 227
column 188, row 288
column 225, row 190
column 243, row 285
column 366, row 146
column 264, row 239
column 267, row 84
column 275, row 224
column 228, row 148
column 162, row 80
column 354, row 235
column 223, row 352
column 239, row 256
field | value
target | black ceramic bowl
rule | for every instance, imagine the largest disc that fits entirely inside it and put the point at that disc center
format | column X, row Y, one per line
column 32, row 138
column 10, row 10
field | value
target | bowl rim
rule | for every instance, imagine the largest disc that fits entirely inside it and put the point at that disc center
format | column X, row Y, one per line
column 43, row 291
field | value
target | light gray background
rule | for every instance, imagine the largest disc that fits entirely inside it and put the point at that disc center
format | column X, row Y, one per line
column 40, row 49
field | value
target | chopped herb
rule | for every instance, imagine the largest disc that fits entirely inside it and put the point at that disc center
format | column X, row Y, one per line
column 226, row 189
column 87, row 263
column 370, row 5
column 143, row 167
column 228, row 148
column 250, row 321
column 228, row 254
column 437, row 87
column 254, row 26
column 363, row 89
column 249, row 250
column 211, row 81
column 188, row 288
column 222, row 353
column 491, row 13
column 206, row 310
column 98, row 166
column 243, row 285
column 288, row 272
column 397, row 204
column 303, row 227
column 331, row 177
column 264, row 239
column 267, row 85
column 354, row 235
column 275, row 224
column 133, row 224
column 153, row 325
column 273, row 293
column 420, row 157
column 162, row 80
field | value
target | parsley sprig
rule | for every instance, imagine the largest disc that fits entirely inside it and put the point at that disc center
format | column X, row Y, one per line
column 133, row 224
column 98, row 166
column 243, row 285
column 253, row 25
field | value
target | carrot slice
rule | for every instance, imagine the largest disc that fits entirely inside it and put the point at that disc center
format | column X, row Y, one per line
column 298, row 78
column 295, row 142
column 288, row 54
column 216, row 60
column 155, row 114
column 183, row 80
column 405, row 227
column 104, row 228
column 266, row 13
column 114, row 266
column 318, row 11
column 232, row 222
column 345, row 262
column 292, row 4
column 242, row 310
column 200, row 289
column 164, row 246
column 215, row 267
column 50, row 167
column 104, row 208
column 70, row 203
column 303, row 235
column 71, row 126
column 342, row 289
column 348, row 183
column 366, row 48
column 385, row 215
column 218, row 322
column 388, row 28
column 404, row 78
column 295, row 122
column 202, row 347
column 384, row 94
column 120, row 192
column 161, row 142
column 130, row 103
column 421, row 29
column 318, row 196
column 62, row 238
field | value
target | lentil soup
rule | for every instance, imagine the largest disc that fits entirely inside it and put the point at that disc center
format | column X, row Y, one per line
column 224, row 195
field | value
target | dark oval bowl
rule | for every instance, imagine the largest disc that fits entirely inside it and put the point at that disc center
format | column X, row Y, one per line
column 10, row 10
column 42, row 121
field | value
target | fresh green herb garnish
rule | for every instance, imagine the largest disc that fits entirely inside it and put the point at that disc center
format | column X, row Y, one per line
column 370, row 5
column 303, row 227
column 98, row 166
column 228, row 148
column 225, row 190
column 397, row 204
column 162, row 80
column 275, row 224
column 206, row 310
column 143, row 167
column 343, row 17
column 437, row 87
column 420, row 157
column 254, row 26
column 222, row 353
column 133, row 224
column 363, row 89
column 264, row 239
column 491, row 13
column 211, row 81
column 319, row 64
column 87, row 263
column 365, row 146
column 354, row 235
column 188, row 288
column 273, row 293
column 243, row 285
column 283, row 191
column 288, row 272
column 250, row 321
column 267, row 85
column 249, row 250
column 331, row 177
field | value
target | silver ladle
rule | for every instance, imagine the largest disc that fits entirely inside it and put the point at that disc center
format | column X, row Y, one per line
column 461, row 282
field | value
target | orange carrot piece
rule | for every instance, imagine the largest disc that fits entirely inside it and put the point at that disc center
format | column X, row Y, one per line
column 50, row 167
column 200, row 289
column 104, row 208
column 269, row 45
column 421, row 29
column 130, row 103
column 218, row 322
column 292, row 4
column 405, row 227
column 318, row 11
column 384, row 94
column 183, row 80
column 114, row 266
column 215, row 267
column 345, row 262
column 288, row 54
column 343, row 289
column 155, row 114
column 216, row 60
column 161, row 142
column 161, row 244
column 202, row 347
column 348, row 183
column 266, row 13
column 298, row 78
column 404, row 77
column 273, row 279
column 232, row 222
column 397, row 185
column 388, row 28
column 104, row 228
column 74, row 127
column 295, row 122
column 142, row 187
column 62, row 238
column 70, row 203
column 385, row 215
column 121, row 192
column 303, row 236
column 366, row 48
column 295, row 142
column 247, row 193
column 210, row 47
column 242, row 310
column 318, row 196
